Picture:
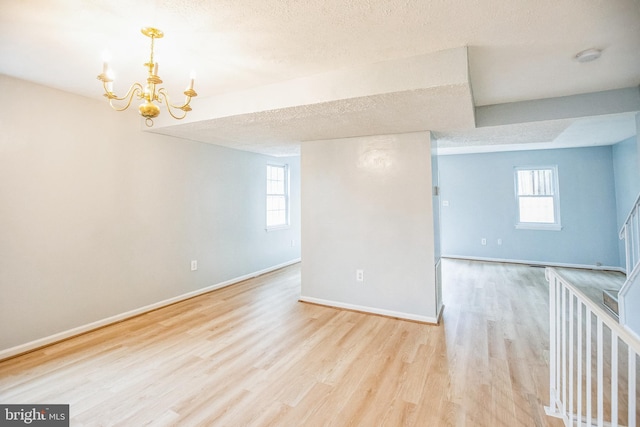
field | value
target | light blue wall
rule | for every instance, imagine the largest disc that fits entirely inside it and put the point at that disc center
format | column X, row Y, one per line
column 480, row 191
column 626, row 171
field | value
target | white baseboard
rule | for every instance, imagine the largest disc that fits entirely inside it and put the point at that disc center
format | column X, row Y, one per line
column 42, row 342
column 370, row 310
column 540, row 263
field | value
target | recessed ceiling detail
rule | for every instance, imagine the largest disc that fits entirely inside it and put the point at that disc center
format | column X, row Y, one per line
column 600, row 118
column 430, row 92
column 561, row 133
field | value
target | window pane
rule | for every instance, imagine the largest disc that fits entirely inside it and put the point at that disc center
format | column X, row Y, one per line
column 278, row 187
column 524, row 182
column 275, row 203
column 271, row 172
column 276, row 196
column 279, row 218
column 537, row 209
column 276, row 210
column 535, row 182
column 275, row 180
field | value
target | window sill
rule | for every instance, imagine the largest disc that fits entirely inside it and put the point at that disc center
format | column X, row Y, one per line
column 538, row 226
column 277, row 227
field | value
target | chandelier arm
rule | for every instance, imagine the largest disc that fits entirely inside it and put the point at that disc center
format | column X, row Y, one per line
column 135, row 88
column 163, row 93
column 179, row 107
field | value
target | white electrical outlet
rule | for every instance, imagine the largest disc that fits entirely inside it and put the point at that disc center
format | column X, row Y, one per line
column 194, row 265
column 483, row 242
column 499, row 241
column 360, row 275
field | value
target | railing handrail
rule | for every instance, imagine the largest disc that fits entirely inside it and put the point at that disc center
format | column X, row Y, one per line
column 631, row 212
column 612, row 324
column 578, row 355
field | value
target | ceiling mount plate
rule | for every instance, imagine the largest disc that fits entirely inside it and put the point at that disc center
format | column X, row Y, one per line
column 152, row 32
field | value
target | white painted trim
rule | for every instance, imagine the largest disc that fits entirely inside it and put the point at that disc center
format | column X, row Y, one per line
column 553, row 412
column 557, row 414
column 51, row 339
column 557, row 224
column 439, row 314
column 370, row 310
column 631, row 332
column 562, row 295
column 540, row 263
column 537, row 226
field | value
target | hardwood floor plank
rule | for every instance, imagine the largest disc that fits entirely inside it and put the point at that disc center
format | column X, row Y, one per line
column 252, row 355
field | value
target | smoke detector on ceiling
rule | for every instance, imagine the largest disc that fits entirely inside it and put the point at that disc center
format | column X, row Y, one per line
column 588, row 55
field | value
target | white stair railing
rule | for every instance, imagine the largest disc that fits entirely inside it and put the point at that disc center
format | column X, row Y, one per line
column 630, row 232
column 591, row 382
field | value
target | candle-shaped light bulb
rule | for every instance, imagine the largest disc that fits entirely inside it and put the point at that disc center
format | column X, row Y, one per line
column 155, row 70
column 106, row 57
column 193, row 79
column 110, row 78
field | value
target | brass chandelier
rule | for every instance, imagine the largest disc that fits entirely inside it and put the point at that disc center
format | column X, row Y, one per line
column 149, row 92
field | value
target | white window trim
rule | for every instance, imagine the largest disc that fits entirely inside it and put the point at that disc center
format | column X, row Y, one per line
column 556, row 226
column 538, row 226
column 277, row 227
column 286, row 200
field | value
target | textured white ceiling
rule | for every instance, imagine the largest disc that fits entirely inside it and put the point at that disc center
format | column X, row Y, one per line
column 518, row 50
column 562, row 133
column 279, row 132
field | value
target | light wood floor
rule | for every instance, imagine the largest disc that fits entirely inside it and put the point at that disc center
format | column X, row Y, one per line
column 252, row 355
column 593, row 282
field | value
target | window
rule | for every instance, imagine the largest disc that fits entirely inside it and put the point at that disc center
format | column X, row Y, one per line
column 537, row 197
column 277, row 196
